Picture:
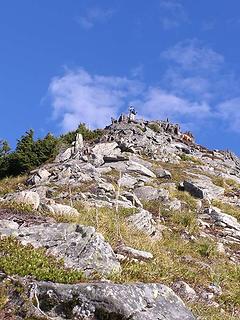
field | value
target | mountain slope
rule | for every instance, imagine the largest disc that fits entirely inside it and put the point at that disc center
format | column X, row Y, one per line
column 142, row 203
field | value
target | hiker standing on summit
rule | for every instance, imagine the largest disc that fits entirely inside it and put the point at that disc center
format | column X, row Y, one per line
column 132, row 113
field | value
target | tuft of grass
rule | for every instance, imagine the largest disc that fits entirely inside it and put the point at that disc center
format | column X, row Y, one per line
column 219, row 181
column 203, row 312
column 207, row 248
column 26, row 260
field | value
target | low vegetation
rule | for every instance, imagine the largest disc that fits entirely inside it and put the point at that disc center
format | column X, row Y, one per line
column 25, row 261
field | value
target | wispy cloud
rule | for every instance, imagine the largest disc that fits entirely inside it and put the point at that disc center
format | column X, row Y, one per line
column 192, row 55
column 173, row 14
column 93, row 16
column 197, row 70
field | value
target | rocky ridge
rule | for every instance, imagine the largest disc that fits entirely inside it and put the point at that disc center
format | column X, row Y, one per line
column 132, row 165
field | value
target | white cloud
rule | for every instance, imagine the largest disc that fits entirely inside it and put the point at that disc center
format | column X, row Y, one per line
column 78, row 97
column 173, row 14
column 93, row 16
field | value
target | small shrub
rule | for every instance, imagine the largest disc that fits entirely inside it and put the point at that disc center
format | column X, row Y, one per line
column 207, row 248
column 193, row 159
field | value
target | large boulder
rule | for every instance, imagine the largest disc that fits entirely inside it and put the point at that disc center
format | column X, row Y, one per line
column 106, row 152
column 80, row 247
column 40, row 176
column 140, row 169
column 150, row 193
column 102, row 301
column 25, row 197
column 61, row 209
column 143, row 221
column 202, row 187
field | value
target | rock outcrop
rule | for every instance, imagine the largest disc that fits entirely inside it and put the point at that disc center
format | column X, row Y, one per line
column 100, row 301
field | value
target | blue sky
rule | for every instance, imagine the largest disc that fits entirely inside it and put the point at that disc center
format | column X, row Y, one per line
column 68, row 61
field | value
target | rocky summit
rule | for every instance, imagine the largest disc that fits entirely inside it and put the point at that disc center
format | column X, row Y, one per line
column 138, row 223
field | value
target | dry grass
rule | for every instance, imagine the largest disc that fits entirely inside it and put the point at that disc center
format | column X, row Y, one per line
column 12, row 184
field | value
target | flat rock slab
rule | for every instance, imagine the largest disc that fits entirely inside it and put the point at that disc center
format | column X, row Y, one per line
column 81, row 247
column 110, row 301
column 133, row 253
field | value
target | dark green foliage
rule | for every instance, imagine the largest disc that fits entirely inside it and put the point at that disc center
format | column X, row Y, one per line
column 4, row 151
column 30, row 154
column 4, row 148
column 87, row 134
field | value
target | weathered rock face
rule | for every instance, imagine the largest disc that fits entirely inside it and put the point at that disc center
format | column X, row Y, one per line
column 101, row 301
column 40, row 176
column 80, row 246
column 151, row 193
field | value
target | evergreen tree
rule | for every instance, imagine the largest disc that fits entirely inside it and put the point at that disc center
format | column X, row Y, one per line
column 4, row 148
column 45, row 148
column 4, row 163
column 25, row 158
